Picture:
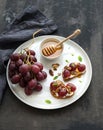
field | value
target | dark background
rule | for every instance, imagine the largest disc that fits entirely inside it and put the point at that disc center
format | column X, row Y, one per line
column 87, row 112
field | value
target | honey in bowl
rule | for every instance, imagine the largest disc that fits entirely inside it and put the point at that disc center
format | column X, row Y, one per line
column 51, row 42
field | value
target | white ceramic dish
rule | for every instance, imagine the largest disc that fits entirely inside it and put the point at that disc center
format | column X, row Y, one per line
column 72, row 53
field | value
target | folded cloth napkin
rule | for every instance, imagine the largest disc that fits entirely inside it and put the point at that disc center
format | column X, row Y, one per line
column 19, row 31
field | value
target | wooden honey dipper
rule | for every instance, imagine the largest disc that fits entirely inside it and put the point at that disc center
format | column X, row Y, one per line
column 47, row 51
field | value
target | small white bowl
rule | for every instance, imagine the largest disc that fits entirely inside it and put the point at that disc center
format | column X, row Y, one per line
column 47, row 42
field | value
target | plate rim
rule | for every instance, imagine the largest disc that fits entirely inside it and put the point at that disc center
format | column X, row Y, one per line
column 54, row 36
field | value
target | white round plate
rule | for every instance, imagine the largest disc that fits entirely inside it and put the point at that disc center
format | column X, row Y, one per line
column 44, row 100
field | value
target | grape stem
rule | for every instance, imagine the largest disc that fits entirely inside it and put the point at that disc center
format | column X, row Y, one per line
column 27, row 61
column 36, row 33
column 33, row 37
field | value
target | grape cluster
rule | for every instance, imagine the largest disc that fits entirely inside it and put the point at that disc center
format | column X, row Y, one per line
column 25, row 70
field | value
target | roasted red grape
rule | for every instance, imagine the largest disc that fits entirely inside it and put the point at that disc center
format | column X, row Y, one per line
column 53, row 86
column 72, row 66
column 71, row 86
column 66, row 74
column 62, row 92
column 81, row 67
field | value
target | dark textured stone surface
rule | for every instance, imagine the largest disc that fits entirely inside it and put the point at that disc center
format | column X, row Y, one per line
column 87, row 112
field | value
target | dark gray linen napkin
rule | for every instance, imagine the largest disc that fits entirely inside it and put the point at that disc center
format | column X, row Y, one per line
column 19, row 31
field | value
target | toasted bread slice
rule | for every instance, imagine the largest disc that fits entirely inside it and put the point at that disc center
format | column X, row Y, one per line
column 73, row 70
column 61, row 91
